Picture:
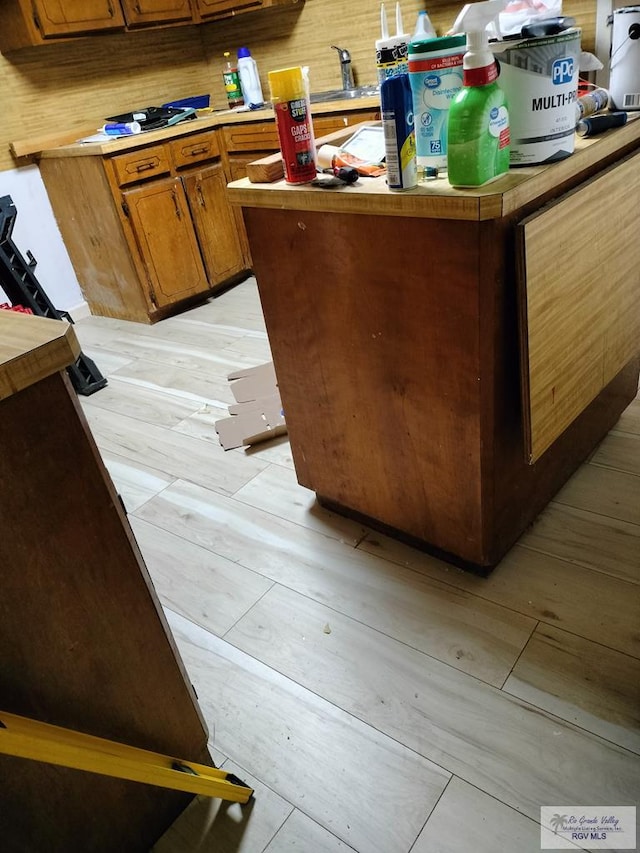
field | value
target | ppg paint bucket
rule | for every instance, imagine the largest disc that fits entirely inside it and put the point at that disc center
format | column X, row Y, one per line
column 540, row 79
column 435, row 74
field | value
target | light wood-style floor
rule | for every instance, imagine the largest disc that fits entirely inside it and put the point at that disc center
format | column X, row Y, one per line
column 378, row 699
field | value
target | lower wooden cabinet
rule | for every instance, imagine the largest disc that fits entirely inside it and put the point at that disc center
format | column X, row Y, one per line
column 149, row 227
column 219, row 227
column 161, row 223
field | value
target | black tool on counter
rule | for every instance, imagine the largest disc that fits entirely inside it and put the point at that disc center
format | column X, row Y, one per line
column 342, row 176
column 154, row 118
column 346, row 173
column 592, row 125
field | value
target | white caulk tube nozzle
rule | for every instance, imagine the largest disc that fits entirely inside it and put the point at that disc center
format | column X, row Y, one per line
column 399, row 27
column 384, row 27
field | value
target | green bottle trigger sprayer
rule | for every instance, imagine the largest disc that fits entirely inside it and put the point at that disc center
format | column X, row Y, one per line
column 478, row 122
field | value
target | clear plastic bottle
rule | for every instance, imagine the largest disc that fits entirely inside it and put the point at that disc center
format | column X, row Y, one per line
column 249, row 79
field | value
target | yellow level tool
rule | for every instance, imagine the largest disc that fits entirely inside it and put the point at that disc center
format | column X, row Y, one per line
column 25, row 738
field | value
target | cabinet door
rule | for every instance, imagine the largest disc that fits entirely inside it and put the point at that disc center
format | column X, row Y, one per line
column 141, row 12
column 57, row 18
column 161, row 224
column 218, row 225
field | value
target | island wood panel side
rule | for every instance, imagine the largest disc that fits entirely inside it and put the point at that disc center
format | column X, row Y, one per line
column 378, row 370
column 516, row 492
column 84, row 641
column 581, row 317
column 93, row 234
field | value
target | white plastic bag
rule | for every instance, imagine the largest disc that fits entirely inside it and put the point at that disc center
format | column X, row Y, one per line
column 518, row 13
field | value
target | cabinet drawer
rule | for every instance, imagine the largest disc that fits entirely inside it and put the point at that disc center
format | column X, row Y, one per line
column 142, row 164
column 194, row 149
column 261, row 136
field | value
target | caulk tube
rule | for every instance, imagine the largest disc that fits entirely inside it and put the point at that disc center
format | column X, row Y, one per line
column 391, row 51
column 396, row 101
column 128, row 128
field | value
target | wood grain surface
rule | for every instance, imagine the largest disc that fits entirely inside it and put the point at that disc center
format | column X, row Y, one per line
column 32, row 348
column 84, row 640
column 580, row 287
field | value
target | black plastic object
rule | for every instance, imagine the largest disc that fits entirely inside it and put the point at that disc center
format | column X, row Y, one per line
column 153, row 118
column 547, row 27
column 592, row 125
column 23, row 288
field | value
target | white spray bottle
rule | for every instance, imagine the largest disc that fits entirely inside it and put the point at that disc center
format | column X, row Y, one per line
column 478, row 124
column 392, row 51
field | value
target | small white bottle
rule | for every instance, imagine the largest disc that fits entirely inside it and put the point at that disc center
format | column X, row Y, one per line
column 249, row 79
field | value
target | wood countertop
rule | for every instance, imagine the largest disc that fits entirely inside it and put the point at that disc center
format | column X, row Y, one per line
column 32, row 348
column 437, row 198
column 66, row 145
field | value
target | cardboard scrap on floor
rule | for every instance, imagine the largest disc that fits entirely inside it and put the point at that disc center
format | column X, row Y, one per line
column 257, row 413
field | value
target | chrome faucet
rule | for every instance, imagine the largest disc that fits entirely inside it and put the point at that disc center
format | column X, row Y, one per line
column 345, row 67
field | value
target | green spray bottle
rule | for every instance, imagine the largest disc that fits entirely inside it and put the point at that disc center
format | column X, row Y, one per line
column 478, row 122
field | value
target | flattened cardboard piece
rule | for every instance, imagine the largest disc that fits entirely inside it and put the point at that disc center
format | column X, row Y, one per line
column 253, row 383
column 262, row 403
column 251, row 427
column 257, row 415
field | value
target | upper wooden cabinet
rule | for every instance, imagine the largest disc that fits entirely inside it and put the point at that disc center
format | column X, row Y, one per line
column 144, row 12
column 222, row 8
column 27, row 23
column 33, row 22
column 210, row 9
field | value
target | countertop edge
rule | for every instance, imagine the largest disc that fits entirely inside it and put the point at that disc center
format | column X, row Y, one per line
column 33, row 348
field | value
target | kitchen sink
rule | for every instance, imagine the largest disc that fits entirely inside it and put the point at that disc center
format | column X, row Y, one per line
column 345, row 94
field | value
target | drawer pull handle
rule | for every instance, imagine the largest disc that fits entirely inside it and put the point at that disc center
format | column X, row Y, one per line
column 201, row 200
column 143, row 167
column 195, row 151
column 111, row 9
column 175, row 204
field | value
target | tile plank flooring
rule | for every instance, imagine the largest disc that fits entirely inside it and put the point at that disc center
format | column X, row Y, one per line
column 379, row 700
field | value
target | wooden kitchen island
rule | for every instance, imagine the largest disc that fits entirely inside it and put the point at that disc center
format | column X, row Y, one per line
column 447, row 358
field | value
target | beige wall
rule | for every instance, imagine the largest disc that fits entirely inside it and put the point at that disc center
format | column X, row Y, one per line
column 60, row 87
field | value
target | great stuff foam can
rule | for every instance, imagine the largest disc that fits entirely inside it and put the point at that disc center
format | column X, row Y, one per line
column 293, row 121
column 399, row 133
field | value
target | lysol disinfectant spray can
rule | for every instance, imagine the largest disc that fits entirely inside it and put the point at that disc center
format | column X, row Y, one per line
column 290, row 100
column 399, row 133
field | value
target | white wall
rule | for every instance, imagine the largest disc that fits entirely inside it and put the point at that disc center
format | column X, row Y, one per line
column 36, row 229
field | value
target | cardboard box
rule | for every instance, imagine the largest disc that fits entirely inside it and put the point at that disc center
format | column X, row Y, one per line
column 257, row 414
